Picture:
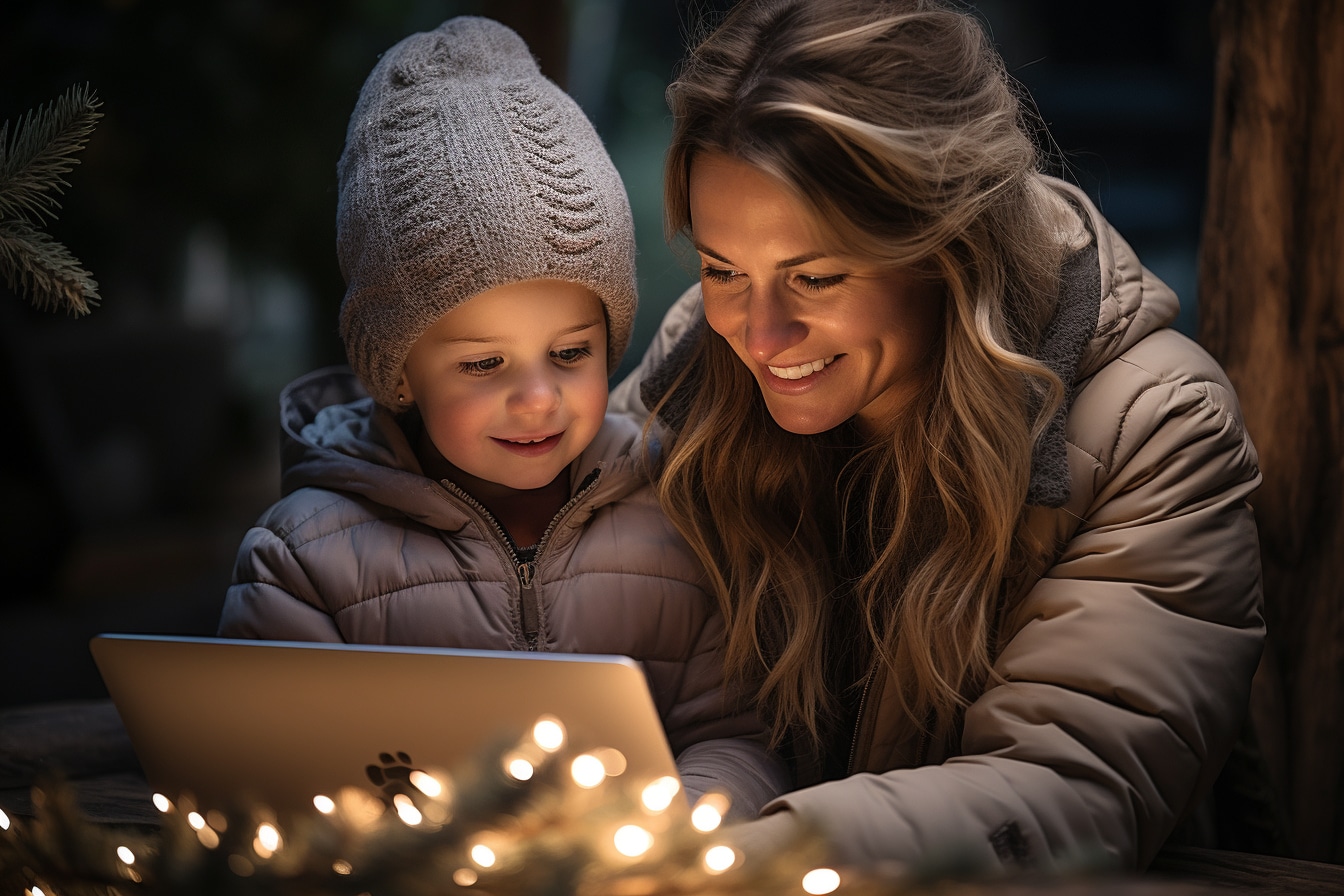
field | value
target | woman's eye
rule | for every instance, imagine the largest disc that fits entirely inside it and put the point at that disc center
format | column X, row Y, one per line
column 479, row 368
column 717, row 275
column 819, row 283
column 572, row 355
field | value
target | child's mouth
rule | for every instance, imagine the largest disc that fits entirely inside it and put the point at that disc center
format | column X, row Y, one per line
column 530, row 447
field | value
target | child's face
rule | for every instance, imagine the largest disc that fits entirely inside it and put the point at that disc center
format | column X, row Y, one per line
column 512, row 384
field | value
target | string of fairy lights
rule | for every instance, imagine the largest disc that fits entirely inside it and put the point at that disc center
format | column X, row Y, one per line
column 533, row 818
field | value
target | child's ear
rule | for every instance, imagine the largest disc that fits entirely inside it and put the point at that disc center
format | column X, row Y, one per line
column 404, row 393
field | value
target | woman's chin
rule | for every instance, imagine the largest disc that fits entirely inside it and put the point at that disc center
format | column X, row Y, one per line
column 805, row 418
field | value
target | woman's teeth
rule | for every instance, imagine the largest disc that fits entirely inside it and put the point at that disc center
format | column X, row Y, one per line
column 797, row 373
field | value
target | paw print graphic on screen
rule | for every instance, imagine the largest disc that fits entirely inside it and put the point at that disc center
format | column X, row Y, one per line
column 392, row 774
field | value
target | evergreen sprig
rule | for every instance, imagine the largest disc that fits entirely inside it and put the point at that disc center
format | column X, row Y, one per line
column 32, row 167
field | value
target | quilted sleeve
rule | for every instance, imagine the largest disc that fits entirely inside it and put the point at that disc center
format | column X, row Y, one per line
column 1127, row 666
column 720, row 744
column 272, row 597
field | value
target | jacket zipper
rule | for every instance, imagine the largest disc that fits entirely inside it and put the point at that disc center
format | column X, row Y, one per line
column 526, row 572
column 527, row 597
column 858, row 720
column 925, row 737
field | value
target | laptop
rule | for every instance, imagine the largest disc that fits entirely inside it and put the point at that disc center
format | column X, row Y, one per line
column 226, row 722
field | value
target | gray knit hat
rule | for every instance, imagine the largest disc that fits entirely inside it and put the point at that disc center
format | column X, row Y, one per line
column 465, row 169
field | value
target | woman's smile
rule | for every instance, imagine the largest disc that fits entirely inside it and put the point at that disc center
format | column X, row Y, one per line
column 800, row 371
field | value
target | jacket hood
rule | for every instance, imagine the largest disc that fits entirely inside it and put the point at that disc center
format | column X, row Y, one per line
column 334, row 436
column 1133, row 302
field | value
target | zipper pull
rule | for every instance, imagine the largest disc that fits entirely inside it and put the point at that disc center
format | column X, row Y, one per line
column 527, row 598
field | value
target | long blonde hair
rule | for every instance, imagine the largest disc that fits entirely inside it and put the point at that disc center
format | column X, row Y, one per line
column 896, row 123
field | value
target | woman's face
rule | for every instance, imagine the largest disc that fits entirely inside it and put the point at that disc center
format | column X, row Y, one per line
column 827, row 336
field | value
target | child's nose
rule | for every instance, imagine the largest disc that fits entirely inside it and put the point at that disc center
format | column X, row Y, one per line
column 535, row 392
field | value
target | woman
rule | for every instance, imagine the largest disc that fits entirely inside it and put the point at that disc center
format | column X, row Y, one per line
column 979, row 517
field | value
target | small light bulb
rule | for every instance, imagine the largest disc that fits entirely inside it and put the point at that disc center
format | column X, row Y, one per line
column 127, row 857
column 269, row 836
column 705, row 818
column 632, row 840
column 820, row 881
column 588, row 771
column 406, row 810
column 161, row 802
column 483, row 855
column 426, row 783
column 519, row 769
column 659, row 793
column 324, row 804
column 719, row 859
column 548, row 734
column 196, row 820
column 709, row 811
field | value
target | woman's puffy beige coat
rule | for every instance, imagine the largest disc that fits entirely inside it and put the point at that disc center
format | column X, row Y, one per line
column 363, row 548
column 1128, row 663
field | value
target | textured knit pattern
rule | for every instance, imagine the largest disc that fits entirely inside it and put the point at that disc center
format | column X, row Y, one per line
column 466, row 169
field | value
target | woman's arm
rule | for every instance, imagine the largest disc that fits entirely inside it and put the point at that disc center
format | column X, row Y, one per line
column 719, row 742
column 1128, row 664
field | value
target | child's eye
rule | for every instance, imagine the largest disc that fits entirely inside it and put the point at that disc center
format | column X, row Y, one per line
column 479, row 368
column 572, row 355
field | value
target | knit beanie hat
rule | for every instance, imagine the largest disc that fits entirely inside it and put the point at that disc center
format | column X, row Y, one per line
column 465, row 169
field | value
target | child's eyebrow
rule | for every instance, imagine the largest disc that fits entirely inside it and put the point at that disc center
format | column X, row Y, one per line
column 495, row 340
column 579, row 328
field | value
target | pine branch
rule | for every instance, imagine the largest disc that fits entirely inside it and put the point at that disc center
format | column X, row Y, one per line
column 43, row 149
column 31, row 164
column 34, row 263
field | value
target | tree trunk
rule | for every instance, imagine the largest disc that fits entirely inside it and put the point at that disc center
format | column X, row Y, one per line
column 1272, row 311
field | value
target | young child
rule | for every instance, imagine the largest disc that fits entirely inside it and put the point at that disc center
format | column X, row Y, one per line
column 462, row 487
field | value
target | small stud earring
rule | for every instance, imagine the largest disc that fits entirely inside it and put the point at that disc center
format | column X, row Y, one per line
column 401, row 399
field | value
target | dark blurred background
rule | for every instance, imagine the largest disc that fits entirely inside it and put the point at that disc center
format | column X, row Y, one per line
column 142, row 438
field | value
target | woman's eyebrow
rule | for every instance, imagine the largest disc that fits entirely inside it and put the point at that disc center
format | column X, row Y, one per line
column 779, row 266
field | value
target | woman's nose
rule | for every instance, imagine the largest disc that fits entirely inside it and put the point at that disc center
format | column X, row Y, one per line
column 771, row 325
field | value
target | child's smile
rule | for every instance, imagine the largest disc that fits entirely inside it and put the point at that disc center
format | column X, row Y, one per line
column 531, row 447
